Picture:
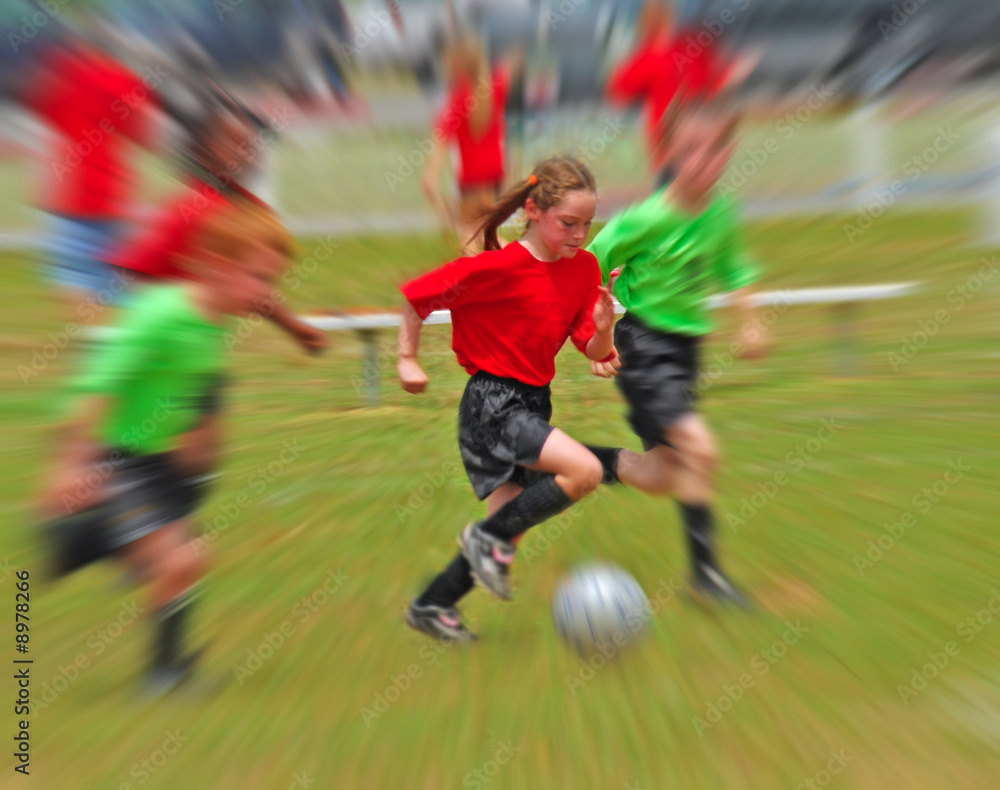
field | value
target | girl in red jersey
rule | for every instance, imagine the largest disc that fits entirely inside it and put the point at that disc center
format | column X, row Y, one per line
column 473, row 119
column 512, row 311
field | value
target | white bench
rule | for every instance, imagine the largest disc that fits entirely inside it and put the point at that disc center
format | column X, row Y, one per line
column 843, row 299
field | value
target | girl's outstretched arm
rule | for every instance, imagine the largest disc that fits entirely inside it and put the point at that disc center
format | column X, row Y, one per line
column 753, row 340
column 411, row 376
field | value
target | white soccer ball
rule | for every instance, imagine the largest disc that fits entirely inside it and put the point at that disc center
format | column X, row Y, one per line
column 599, row 605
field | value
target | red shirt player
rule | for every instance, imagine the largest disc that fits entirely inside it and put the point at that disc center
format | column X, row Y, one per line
column 473, row 120
column 156, row 252
column 668, row 65
column 96, row 107
column 512, row 311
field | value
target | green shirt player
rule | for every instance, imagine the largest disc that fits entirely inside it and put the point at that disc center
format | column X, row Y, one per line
column 670, row 253
column 129, row 466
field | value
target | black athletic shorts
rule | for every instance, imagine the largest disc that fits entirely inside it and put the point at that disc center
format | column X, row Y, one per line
column 502, row 425
column 657, row 377
column 145, row 493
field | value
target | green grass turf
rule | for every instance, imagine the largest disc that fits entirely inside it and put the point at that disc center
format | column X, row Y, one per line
column 341, row 506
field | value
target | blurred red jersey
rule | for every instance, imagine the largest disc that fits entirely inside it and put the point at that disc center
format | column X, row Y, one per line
column 661, row 70
column 94, row 103
column 155, row 252
column 481, row 156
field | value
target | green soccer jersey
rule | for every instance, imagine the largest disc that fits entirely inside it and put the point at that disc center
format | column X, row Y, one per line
column 160, row 370
column 671, row 262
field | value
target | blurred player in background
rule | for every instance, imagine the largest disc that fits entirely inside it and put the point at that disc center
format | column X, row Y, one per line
column 671, row 65
column 221, row 153
column 512, row 311
column 96, row 107
column 129, row 464
column 472, row 120
column 670, row 253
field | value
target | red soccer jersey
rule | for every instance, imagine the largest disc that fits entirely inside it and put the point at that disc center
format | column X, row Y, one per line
column 481, row 156
column 154, row 253
column 511, row 313
column 93, row 103
column 660, row 70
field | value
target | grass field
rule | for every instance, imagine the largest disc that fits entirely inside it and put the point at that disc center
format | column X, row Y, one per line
column 312, row 677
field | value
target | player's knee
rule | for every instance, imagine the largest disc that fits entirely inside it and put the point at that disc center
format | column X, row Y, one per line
column 707, row 455
column 589, row 475
column 183, row 565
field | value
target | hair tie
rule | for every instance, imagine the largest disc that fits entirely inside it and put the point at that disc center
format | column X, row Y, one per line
column 533, row 179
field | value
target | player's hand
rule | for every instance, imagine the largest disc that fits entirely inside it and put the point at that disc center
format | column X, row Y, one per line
column 604, row 312
column 607, row 370
column 755, row 344
column 314, row 341
column 411, row 375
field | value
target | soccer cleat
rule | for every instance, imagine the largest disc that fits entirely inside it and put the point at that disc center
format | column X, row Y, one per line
column 490, row 558
column 711, row 584
column 442, row 624
column 161, row 679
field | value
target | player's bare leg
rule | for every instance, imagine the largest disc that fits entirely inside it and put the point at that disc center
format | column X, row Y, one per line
column 698, row 459
column 168, row 560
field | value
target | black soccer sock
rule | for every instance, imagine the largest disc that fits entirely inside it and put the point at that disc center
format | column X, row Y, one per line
column 449, row 586
column 537, row 503
column 608, row 456
column 700, row 533
column 170, row 622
